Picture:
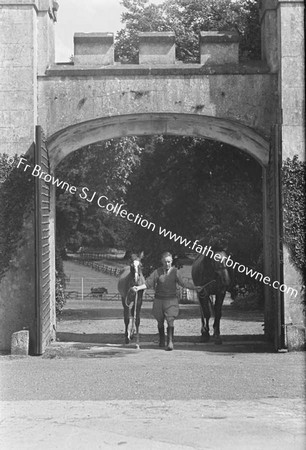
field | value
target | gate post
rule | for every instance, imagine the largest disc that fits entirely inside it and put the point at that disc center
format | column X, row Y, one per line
column 290, row 15
column 282, row 36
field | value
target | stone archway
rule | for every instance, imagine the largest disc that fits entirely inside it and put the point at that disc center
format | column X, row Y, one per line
column 77, row 136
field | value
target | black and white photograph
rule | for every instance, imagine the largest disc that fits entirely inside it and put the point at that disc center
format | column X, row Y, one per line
column 152, row 225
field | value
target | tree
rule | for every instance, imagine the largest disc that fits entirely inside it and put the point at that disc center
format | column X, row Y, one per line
column 200, row 191
column 103, row 168
column 187, row 18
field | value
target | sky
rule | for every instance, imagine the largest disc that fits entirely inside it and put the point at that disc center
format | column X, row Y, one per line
column 84, row 16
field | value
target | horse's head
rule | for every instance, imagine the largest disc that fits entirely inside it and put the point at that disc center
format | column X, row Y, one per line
column 220, row 267
column 177, row 262
column 136, row 268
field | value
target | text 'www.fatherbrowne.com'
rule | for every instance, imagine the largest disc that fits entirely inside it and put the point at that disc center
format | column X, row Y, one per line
column 117, row 209
column 226, row 259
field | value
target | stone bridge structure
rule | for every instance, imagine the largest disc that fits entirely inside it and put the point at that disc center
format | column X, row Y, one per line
column 256, row 107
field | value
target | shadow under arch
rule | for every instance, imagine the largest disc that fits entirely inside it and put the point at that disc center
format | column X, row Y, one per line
column 81, row 134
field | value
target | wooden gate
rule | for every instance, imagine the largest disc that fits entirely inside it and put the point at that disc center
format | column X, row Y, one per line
column 275, row 239
column 42, row 246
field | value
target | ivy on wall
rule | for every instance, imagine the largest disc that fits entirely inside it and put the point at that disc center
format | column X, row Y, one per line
column 16, row 200
column 294, row 184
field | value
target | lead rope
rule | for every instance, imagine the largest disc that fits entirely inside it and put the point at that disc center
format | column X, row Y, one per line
column 135, row 310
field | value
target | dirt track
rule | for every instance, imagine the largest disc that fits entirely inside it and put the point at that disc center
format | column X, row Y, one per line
column 101, row 322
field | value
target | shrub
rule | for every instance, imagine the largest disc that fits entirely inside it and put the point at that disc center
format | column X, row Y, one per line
column 60, row 298
column 60, row 283
column 293, row 181
column 16, row 200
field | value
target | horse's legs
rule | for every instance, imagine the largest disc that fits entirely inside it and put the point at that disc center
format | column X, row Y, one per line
column 137, row 320
column 131, row 327
column 218, row 314
column 126, row 315
column 205, row 316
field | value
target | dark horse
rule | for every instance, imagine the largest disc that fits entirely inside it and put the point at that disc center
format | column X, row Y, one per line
column 131, row 301
column 214, row 277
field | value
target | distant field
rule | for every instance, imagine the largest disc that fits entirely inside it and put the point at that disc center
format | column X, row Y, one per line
column 82, row 278
column 91, row 278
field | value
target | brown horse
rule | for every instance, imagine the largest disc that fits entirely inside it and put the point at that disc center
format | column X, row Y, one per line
column 214, row 277
column 131, row 301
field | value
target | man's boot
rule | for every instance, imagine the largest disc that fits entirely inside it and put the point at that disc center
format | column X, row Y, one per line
column 170, row 332
column 161, row 331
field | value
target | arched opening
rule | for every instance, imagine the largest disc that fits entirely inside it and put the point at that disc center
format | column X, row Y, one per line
column 77, row 136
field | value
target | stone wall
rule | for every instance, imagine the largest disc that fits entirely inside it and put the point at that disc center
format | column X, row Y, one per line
column 18, row 81
column 67, row 97
column 26, row 49
column 17, row 296
column 292, row 104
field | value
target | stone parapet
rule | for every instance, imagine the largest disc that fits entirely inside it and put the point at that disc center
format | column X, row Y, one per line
column 93, row 49
column 157, row 48
column 219, row 47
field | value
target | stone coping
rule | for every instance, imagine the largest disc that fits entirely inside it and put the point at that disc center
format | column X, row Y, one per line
column 180, row 69
column 155, row 37
column 219, row 37
column 91, row 38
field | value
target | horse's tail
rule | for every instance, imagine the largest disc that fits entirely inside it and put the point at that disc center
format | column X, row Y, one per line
column 226, row 278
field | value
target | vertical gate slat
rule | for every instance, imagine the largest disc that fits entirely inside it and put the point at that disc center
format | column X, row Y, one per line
column 275, row 235
column 42, row 247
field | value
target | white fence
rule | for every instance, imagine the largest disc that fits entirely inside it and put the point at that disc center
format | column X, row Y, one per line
column 79, row 288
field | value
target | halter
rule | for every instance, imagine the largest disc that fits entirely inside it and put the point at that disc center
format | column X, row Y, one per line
column 133, row 283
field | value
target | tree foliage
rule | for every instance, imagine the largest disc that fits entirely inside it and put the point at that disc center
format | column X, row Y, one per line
column 16, row 200
column 198, row 190
column 103, row 168
column 187, row 18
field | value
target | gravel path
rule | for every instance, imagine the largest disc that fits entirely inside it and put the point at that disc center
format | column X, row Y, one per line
column 91, row 391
